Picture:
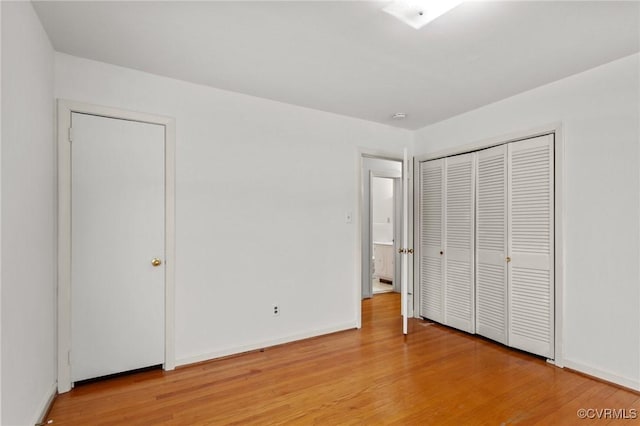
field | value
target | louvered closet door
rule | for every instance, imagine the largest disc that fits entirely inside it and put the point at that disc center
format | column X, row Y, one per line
column 491, row 242
column 459, row 242
column 530, row 218
column 431, row 240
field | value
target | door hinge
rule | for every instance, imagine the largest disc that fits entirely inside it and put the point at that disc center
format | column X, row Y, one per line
column 70, row 134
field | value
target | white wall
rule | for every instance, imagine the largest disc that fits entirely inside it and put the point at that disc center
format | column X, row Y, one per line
column 599, row 111
column 382, row 209
column 262, row 192
column 28, row 217
column 1, row 214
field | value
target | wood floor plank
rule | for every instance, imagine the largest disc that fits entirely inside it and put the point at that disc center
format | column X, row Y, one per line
column 435, row 375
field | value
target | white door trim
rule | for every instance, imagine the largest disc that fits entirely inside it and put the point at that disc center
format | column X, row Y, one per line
column 559, row 219
column 65, row 109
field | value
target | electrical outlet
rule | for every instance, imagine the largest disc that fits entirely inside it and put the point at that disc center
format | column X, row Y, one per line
column 276, row 310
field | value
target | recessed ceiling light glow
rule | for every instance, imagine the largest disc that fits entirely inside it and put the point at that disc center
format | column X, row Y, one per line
column 399, row 116
column 418, row 13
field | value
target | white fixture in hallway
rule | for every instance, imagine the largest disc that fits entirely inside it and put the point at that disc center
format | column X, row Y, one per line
column 418, row 13
column 381, row 287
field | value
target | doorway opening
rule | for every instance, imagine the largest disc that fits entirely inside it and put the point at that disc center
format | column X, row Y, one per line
column 397, row 168
column 385, row 216
column 381, row 226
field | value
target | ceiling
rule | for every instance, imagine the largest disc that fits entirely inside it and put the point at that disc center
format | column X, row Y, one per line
column 348, row 57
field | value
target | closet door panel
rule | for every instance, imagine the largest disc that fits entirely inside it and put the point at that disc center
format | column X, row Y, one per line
column 491, row 244
column 431, row 240
column 531, row 240
column 459, row 242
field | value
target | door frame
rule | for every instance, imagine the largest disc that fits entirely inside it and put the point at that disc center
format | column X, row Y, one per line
column 65, row 108
column 360, row 155
column 559, row 214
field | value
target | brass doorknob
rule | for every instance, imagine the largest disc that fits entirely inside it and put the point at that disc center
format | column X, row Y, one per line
column 156, row 262
column 508, row 259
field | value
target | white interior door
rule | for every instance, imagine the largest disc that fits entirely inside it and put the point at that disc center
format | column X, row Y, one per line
column 405, row 243
column 117, row 228
column 491, row 241
column 432, row 240
column 459, row 242
column 531, row 245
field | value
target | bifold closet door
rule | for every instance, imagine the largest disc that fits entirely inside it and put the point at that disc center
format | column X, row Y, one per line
column 531, row 245
column 459, row 242
column 432, row 240
column 491, row 242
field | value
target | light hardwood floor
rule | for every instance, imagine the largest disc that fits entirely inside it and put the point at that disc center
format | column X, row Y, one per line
column 372, row 376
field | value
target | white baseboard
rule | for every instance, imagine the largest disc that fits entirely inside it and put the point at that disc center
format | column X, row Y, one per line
column 45, row 405
column 264, row 344
column 633, row 384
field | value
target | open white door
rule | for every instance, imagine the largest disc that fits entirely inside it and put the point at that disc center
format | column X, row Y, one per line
column 405, row 243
